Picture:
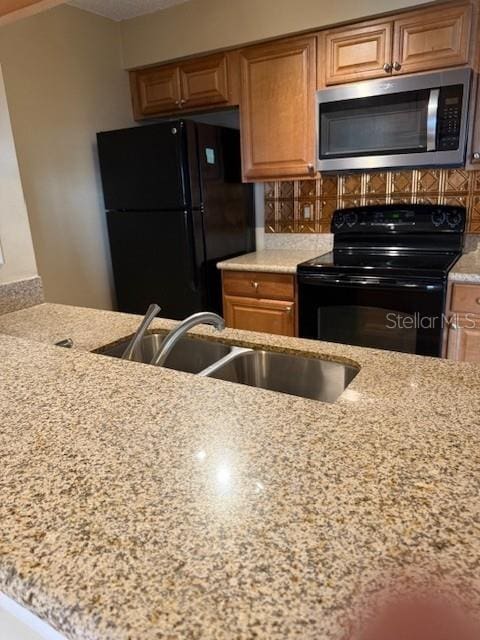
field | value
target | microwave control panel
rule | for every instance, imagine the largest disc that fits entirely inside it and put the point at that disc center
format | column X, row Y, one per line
column 449, row 117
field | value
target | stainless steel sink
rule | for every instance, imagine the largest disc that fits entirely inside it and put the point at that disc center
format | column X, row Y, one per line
column 298, row 375
column 189, row 354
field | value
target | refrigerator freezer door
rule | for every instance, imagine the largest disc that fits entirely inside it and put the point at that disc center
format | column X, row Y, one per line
column 228, row 204
column 155, row 260
column 145, row 168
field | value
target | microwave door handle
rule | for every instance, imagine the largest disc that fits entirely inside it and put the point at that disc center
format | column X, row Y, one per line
column 432, row 118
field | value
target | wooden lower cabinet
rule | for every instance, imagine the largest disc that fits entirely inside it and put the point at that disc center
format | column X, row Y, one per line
column 260, row 301
column 267, row 316
column 464, row 339
column 464, row 323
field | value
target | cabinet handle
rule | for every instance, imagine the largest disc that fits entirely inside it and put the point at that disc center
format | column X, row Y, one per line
column 311, row 168
column 182, row 101
column 397, row 66
column 255, row 285
column 289, row 310
column 476, row 155
column 387, row 67
column 477, row 300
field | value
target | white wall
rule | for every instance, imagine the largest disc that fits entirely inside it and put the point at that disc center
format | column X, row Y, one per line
column 15, row 236
column 64, row 82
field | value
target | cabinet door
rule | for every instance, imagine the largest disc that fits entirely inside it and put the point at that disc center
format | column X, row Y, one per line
column 277, row 109
column 432, row 39
column 204, row 81
column 155, row 91
column 464, row 339
column 355, row 53
column 267, row 316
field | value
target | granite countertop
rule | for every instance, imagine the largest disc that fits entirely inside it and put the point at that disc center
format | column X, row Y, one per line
column 467, row 269
column 269, row 260
column 142, row 503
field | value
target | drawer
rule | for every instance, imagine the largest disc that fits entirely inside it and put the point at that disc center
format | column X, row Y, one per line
column 254, row 284
column 466, row 298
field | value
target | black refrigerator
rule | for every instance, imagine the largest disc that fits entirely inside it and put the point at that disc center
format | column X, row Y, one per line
column 176, row 206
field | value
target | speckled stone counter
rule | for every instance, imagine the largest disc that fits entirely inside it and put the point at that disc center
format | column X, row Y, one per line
column 467, row 269
column 142, row 503
column 269, row 260
column 20, row 294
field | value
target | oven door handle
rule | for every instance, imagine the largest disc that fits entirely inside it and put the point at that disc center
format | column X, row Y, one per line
column 369, row 282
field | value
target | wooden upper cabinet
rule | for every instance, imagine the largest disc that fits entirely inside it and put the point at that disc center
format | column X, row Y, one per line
column 357, row 52
column 278, row 82
column 194, row 84
column 419, row 40
column 432, row 39
column 155, row 90
column 205, row 81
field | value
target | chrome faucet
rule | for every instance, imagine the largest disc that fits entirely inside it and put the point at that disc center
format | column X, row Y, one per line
column 136, row 340
column 192, row 321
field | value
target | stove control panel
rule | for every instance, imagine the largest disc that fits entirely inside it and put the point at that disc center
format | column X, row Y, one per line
column 399, row 219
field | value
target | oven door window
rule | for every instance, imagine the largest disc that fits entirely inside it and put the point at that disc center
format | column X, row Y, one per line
column 376, row 125
column 394, row 318
column 368, row 327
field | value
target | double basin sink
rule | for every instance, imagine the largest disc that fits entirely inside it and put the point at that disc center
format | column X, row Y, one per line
column 302, row 376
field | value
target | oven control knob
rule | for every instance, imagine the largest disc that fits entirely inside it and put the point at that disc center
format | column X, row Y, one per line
column 454, row 219
column 351, row 219
column 438, row 218
column 339, row 220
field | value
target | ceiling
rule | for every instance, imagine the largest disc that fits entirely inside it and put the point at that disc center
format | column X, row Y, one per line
column 123, row 9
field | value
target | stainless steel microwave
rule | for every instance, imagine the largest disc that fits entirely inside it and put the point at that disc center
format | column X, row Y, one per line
column 409, row 121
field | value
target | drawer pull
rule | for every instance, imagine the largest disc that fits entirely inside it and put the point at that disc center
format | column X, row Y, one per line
column 289, row 310
column 255, row 285
column 477, row 300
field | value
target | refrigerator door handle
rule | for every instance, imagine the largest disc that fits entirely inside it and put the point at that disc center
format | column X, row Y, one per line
column 192, row 256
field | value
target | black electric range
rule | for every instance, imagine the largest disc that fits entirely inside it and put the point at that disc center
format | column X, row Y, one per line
column 384, row 285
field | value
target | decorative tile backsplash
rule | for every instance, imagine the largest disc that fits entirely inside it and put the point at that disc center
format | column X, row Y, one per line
column 306, row 206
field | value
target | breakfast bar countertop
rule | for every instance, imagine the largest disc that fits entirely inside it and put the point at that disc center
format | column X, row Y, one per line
column 141, row 503
column 269, row 260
